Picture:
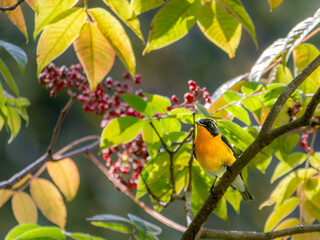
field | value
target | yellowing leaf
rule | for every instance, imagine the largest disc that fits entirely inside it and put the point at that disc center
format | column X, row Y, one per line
column 94, row 52
column 16, row 16
column 5, row 194
column 220, row 27
column 125, row 12
column 65, row 175
column 47, row 11
column 57, row 37
column 49, row 201
column 141, row 6
column 306, row 236
column 280, row 213
column 22, row 181
column 24, row 209
column 274, row 3
column 33, row 4
column 112, row 30
column 288, row 223
column 172, row 22
column 302, row 56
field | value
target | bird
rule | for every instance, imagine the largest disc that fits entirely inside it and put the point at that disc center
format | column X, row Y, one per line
column 215, row 154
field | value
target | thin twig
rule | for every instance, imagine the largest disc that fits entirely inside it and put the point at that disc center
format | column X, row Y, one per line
column 163, row 143
column 125, row 190
column 56, row 129
column 13, row 7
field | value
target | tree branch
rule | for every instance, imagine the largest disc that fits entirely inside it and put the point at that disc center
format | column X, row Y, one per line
column 13, row 7
column 40, row 161
column 263, row 139
column 248, row 235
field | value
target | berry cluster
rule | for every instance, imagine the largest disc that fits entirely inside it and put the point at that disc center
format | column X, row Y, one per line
column 194, row 96
column 304, row 142
column 126, row 161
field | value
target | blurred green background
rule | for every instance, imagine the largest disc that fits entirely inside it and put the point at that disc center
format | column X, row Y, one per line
column 165, row 71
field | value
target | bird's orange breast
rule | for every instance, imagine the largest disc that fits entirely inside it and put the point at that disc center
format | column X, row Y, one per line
column 212, row 152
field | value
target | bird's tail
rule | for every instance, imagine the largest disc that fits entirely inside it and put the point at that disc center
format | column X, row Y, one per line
column 246, row 195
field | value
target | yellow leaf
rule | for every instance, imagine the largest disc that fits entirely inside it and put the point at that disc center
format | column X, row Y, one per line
column 57, row 37
column 112, row 30
column 126, row 13
column 34, row 5
column 49, row 201
column 220, row 27
column 24, row 209
column 22, row 181
column 288, row 223
column 47, row 10
column 5, row 194
column 94, row 52
column 306, row 236
column 274, row 4
column 16, row 16
column 65, row 175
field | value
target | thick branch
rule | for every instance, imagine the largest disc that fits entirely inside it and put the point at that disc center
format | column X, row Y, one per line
column 263, row 139
column 13, row 7
column 233, row 235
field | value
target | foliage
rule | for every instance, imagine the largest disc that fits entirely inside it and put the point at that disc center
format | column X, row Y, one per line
column 147, row 140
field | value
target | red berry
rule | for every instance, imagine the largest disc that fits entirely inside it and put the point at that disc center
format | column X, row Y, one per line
column 174, row 99
column 192, row 83
column 189, row 97
column 138, row 79
column 208, row 100
column 169, row 108
column 192, row 88
column 304, row 144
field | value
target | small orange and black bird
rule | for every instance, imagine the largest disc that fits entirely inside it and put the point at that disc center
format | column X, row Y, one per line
column 215, row 153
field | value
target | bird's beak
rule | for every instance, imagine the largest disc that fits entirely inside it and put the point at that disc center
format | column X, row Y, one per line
column 197, row 123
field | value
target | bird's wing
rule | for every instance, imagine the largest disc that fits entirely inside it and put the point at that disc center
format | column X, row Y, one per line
column 194, row 151
column 226, row 141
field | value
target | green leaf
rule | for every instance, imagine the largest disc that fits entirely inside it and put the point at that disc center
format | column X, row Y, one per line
column 183, row 114
column 315, row 160
column 235, row 134
column 265, row 59
column 19, row 230
column 14, row 122
column 280, row 213
column 291, row 161
column 146, row 227
column 274, row 4
column 126, row 14
column 172, row 22
column 118, row 227
column 17, row 53
column 234, row 198
column 250, row 87
column 239, row 113
column 174, row 137
column 253, row 104
column 302, row 56
column 150, row 136
column 170, row 125
column 159, row 103
column 202, row 110
column 120, row 130
column 141, row 6
column 113, row 31
column 280, row 74
column 8, row 77
column 283, row 146
column 41, row 233
column 312, row 209
column 311, row 189
column 138, row 104
column 236, row 8
column 297, row 34
column 262, row 160
column 221, row 210
column 107, row 217
column 83, row 236
column 220, row 27
column 232, row 96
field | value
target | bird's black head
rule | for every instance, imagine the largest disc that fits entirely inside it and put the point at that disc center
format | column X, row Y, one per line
column 210, row 125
